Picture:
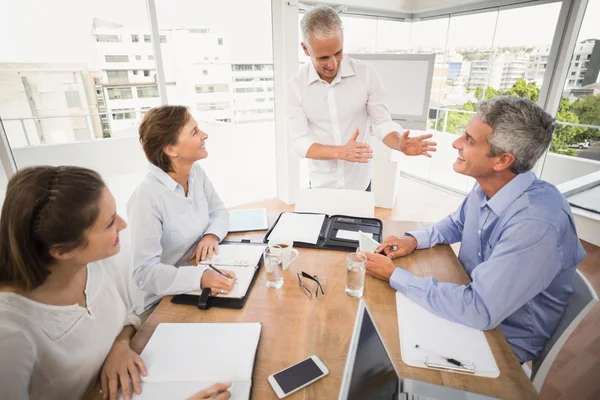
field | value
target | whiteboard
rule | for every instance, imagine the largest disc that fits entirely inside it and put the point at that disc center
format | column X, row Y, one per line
column 407, row 81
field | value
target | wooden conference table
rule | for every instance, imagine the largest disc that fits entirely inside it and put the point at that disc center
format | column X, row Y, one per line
column 295, row 327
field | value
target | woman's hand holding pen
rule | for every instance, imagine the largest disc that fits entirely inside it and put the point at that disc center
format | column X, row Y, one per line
column 217, row 283
column 217, row 391
column 394, row 247
column 208, row 245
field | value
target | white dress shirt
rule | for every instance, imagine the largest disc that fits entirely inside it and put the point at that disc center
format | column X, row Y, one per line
column 166, row 226
column 56, row 352
column 328, row 114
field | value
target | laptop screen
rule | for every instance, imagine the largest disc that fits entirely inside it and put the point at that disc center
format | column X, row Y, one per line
column 373, row 373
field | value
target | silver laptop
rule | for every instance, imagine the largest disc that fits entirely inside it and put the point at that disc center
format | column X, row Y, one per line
column 370, row 373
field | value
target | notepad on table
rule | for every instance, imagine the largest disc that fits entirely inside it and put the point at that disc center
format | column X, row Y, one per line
column 450, row 339
column 242, row 260
column 184, row 358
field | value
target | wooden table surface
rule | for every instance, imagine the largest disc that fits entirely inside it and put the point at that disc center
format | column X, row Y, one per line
column 295, row 327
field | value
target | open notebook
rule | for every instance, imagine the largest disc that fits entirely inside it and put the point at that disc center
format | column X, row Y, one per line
column 242, row 259
column 438, row 336
column 184, row 358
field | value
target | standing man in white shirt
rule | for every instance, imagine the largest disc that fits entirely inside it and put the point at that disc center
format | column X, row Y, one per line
column 333, row 101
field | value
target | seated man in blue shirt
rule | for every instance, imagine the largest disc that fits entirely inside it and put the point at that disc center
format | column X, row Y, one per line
column 518, row 240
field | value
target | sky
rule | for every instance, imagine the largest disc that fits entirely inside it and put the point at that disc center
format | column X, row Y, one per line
column 60, row 30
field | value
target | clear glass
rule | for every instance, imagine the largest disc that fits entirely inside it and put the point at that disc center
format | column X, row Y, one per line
column 272, row 261
column 575, row 148
column 356, row 264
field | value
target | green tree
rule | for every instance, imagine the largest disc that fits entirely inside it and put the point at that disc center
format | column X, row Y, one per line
column 565, row 134
column 479, row 93
column 588, row 111
column 524, row 90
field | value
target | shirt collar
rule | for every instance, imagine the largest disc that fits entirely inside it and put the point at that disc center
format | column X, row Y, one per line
column 509, row 192
column 345, row 71
column 164, row 178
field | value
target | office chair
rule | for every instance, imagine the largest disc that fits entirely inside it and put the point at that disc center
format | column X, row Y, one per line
column 581, row 301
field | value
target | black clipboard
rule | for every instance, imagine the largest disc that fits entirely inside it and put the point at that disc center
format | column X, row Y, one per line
column 205, row 301
column 328, row 239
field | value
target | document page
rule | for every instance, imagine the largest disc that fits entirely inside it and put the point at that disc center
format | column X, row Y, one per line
column 243, row 276
column 201, row 352
column 298, row 227
column 236, row 255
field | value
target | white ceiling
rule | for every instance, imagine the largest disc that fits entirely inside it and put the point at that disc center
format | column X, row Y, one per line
column 405, row 6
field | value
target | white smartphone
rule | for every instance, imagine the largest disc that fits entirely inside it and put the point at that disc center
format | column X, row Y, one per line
column 298, row 376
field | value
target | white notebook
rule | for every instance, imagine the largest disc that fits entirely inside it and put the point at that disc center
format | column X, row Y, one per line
column 242, row 260
column 184, row 358
column 441, row 337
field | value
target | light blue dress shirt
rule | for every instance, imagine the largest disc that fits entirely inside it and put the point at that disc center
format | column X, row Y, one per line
column 165, row 225
column 520, row 249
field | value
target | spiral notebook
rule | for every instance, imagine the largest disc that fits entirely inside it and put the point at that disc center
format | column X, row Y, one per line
column 242, row 260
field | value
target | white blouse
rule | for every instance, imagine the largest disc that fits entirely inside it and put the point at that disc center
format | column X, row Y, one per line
column 56, row 352
column 165, row 227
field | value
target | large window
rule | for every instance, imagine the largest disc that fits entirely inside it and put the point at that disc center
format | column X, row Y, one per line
column 55, row 88
column 232, row 42
column 502, row 51
column 575, row 150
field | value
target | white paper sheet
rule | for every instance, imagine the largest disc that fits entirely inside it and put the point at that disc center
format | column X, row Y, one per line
column 243, row 276
column 185, row 390
column 236, row 255
column 350, row 235
column 367, row 243
column 450, row 339
column 248, row 220
column 298, row 227
column 201, row 352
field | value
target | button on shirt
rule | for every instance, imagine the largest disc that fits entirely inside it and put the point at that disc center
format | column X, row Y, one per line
column 166, row 226
column 520, row 249
column 328, row 114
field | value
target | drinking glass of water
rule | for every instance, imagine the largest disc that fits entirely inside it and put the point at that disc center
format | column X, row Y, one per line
column 356, row 264
column 272, row 260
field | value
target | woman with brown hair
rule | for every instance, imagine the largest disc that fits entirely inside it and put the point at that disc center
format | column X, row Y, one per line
column 67, row 308
column 176, row 217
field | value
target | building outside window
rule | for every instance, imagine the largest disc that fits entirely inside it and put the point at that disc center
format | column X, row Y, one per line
column 147, row 91
column 123, row 113
column 135, row 38
column 119, row 93
column 118, row 76
column 114, row 58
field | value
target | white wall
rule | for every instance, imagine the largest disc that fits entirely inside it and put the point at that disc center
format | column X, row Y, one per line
column 559, row 169
column 241, row 162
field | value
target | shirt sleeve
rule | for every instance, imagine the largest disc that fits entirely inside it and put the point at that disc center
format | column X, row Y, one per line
column 149, row 273
column 217, row 212
column 297, row 121
column 447, row 231
column 522, row 265
column 17, row 361
column 379, row 114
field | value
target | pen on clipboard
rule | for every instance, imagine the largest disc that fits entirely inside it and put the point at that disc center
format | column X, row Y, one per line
column 218, row 271
column 452, row 361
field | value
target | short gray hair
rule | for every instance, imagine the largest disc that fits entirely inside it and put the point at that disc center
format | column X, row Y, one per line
column 521, row 128
column 320, row 22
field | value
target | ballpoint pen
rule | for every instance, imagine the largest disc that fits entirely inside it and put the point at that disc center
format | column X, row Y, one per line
column 447, row 359
column 218, row 271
